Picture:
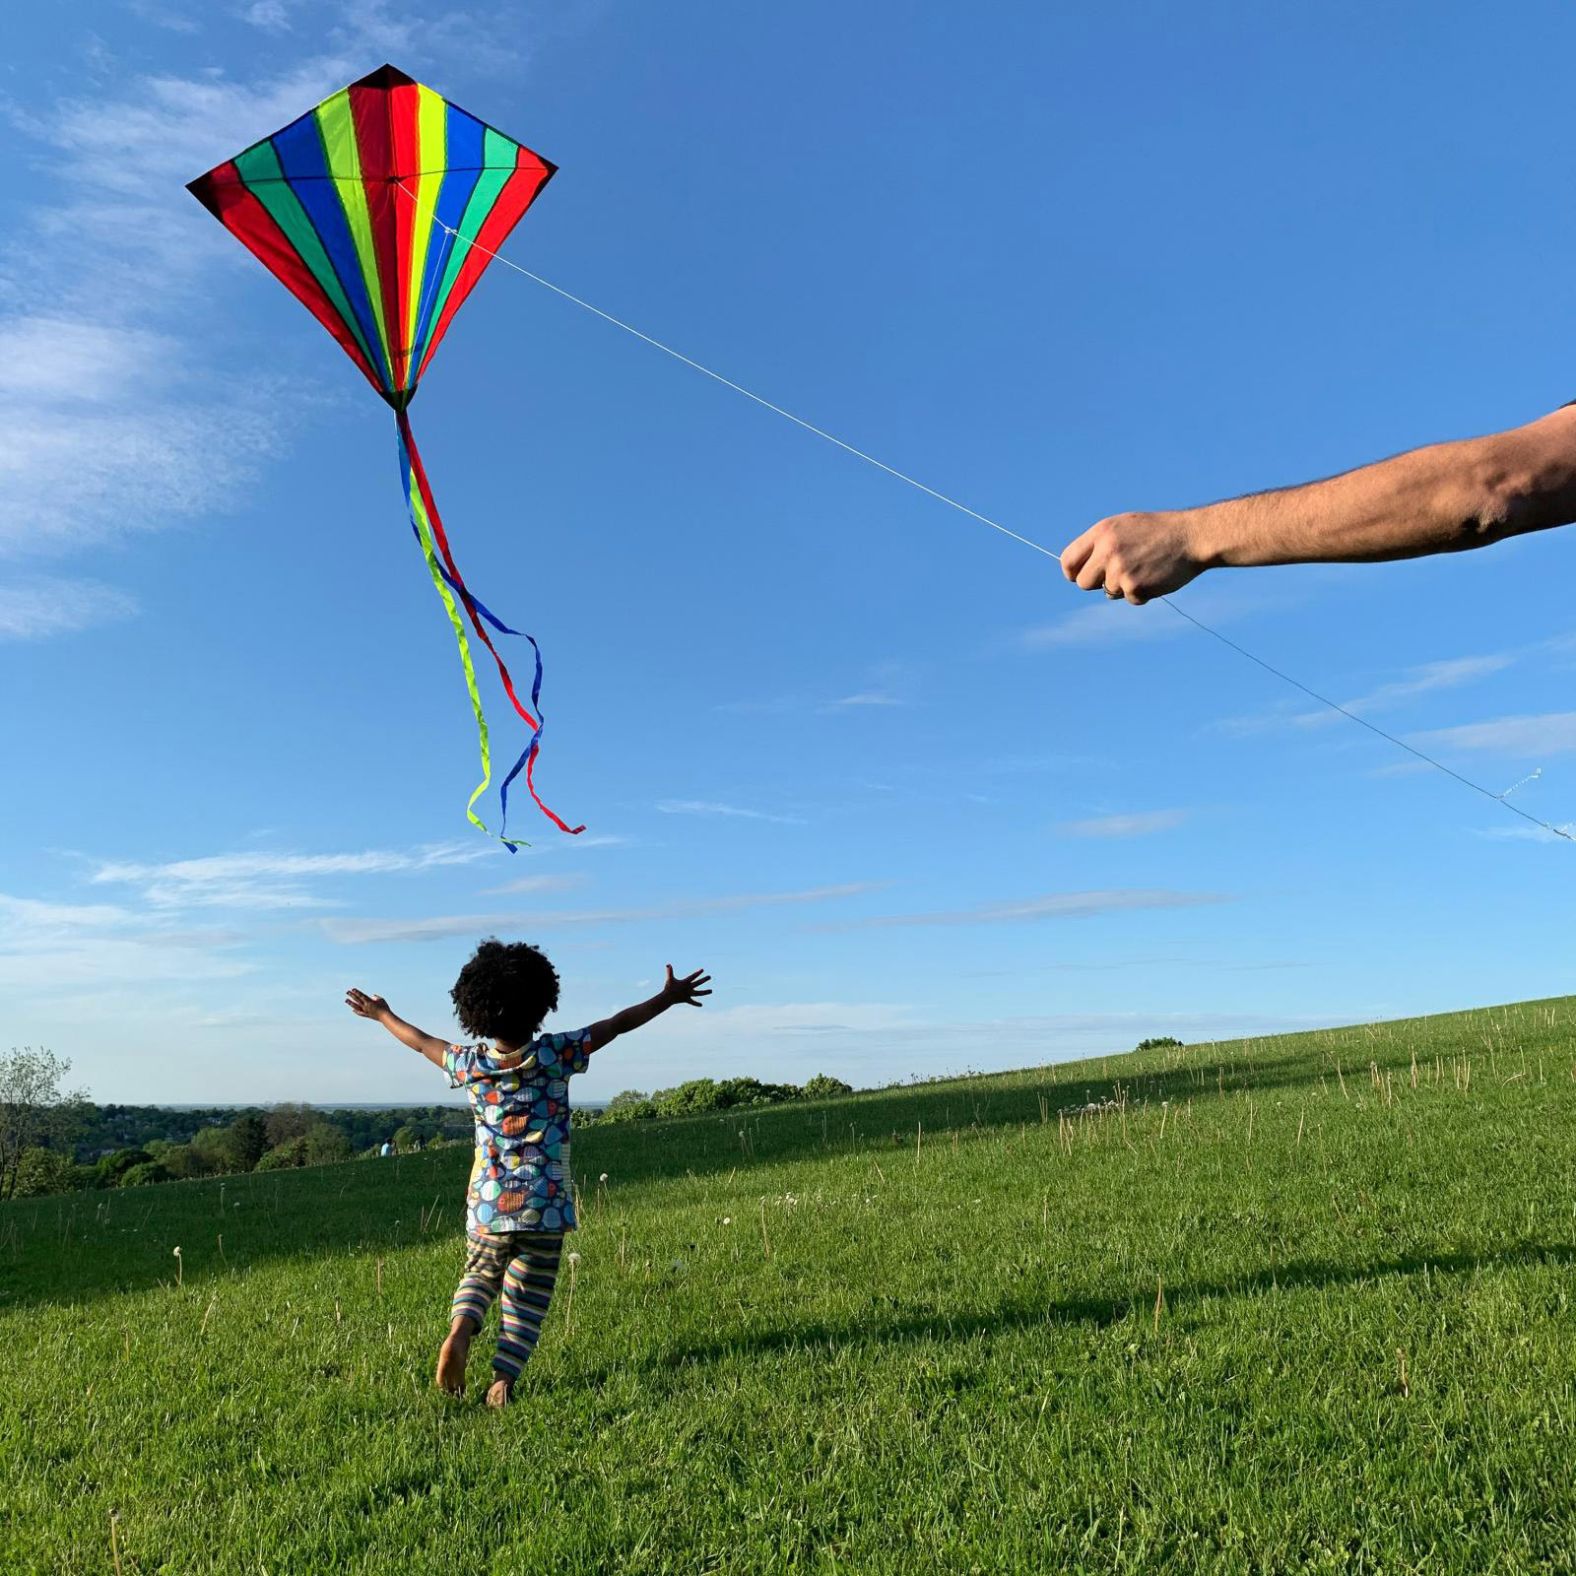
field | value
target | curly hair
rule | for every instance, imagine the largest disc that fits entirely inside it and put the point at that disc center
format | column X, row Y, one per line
column 505, row 992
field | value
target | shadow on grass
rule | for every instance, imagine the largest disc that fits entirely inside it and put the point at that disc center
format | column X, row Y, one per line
column 75, row 1247
column 745, row 1136
column 897, row 1328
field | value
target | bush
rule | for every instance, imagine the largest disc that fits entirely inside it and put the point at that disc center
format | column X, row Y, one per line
column 822, row 1087
column 1163, row 1042
column 324, row 1145
column 286, row 1156
column 147, row 1172
column 108, row 1171
column 40, row 1171
column 641, row 1110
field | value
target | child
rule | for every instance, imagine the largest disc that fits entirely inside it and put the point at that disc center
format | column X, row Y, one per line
column 521, row 1196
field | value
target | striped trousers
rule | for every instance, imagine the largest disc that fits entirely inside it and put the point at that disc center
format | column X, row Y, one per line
column 518, row 1270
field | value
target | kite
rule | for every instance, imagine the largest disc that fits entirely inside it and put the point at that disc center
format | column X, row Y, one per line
column 379, row 210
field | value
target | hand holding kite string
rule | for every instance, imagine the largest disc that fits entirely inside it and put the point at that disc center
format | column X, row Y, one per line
column 1136, row 556
column 1439, row 499
column 379, row 210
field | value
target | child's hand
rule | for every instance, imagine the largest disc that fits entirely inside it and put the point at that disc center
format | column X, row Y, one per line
column 374, row 1007
column 687, row 990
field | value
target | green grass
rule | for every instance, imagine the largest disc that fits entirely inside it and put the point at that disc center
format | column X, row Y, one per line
column 1290, row 1305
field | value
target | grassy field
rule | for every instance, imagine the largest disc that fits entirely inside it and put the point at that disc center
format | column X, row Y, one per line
column 1296, row 1304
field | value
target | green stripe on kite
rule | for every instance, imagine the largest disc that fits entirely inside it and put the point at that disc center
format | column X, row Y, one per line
column 260, row 170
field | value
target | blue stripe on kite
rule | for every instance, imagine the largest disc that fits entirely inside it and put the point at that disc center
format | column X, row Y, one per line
column 464, row 145
column 301, row 157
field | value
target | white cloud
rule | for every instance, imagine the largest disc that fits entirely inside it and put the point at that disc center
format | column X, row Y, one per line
column 726, row 811
column 271, row 880
column 1530, row 834
column 1422, row 680
column 1552, row 733
column 116, row 415
column 1058, row 905
column 548, row 883
column 33, row 609
column 272, row 16
column 354, row 932
column 872, row 697
column 47, row 947
column 1141, row 823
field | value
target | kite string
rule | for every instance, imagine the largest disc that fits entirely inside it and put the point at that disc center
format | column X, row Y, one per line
column 995, row 525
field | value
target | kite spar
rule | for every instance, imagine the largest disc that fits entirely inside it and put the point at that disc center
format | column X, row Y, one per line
column 379, row 210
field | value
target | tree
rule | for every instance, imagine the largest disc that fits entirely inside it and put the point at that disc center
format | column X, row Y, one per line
column 34, row 1111
column 822, row 1087
column 111, row 1168
column 45, row 1171
column 324, row 1145
column 179, row 1160
column 289, row 1120
column 286, row 1156
column 627, row 1097
column 248, row 1141
column 141, row 1175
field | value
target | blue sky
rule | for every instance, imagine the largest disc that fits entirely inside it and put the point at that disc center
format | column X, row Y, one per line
column 916, row 805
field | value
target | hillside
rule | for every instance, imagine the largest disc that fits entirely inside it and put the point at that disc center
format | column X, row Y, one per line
column 1294, row 1304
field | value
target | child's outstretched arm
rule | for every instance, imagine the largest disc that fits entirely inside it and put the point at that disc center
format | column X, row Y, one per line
column 379, row 1011
column 688, row 990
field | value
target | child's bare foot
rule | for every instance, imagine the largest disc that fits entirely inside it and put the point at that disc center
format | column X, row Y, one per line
column 451, row 1360
column 499, row 1392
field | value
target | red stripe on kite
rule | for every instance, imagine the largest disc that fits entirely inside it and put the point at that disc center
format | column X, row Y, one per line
column 225, row 195
column 530, row 175
column 371, row 111
column 404, row 118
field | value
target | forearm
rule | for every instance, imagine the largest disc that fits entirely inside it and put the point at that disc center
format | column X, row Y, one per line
column 408, row 1034
column 1443, row 498
column 629, row 1019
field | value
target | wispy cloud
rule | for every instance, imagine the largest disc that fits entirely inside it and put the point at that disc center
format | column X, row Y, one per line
column 1528, row 834
column 549, row 883
column 48, row 947
column 35, row 608
column 116, row 415
column 1424, row 679
column 270, row 880
column 1552, row 733
column 1058, row 905
column 870, row 697
column 726, row 811
column 1142, row 823
column 1105, row 623
column 442, row 926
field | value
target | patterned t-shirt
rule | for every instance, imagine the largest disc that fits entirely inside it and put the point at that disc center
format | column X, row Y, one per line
column 520, row 1180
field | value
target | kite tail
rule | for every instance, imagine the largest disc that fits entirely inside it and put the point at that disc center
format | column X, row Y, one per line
column 446, row 578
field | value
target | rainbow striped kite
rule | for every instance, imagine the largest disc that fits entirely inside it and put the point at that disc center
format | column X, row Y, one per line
column 379, row 210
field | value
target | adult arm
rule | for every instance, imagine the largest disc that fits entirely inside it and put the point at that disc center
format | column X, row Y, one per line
column 1440, row 499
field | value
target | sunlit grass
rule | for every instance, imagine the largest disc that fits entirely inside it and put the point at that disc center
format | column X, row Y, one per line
column 1296, row 1304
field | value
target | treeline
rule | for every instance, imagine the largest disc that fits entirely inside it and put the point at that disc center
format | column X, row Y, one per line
column 133, row 1146
column 710, row 1094
column 105, row 1146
